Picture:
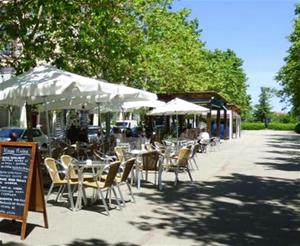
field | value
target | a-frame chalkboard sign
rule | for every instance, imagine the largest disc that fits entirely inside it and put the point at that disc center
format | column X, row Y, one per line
column 21, row 184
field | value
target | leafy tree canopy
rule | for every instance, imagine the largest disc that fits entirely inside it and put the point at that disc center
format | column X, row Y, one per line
column 139, row 43
column 289, row 74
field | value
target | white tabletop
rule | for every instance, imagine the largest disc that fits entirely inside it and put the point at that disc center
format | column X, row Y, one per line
column 137, row 151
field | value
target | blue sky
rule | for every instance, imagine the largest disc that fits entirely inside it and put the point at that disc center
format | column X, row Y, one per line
column 256, row 30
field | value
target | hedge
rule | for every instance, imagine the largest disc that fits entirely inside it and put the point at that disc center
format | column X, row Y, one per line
column 253, row 126
column 272, row 126
column 282, row 126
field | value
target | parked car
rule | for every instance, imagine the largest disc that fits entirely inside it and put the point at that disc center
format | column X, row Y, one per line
column 92, row 133
column 136, row 131
column 37, row 134
column 126, row 124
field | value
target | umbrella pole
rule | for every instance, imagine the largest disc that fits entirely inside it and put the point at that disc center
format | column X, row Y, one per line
column 48, row 127
column 99, row 117
column 9, row 116
column 177, row 128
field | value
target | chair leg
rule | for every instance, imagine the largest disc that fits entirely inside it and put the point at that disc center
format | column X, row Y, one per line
column 116, row 196
column 70, row 196
column 121, row 195
column 188, row 170
column 190, row 164
column 132, row 176
column 195, row 163
column 109, row 197
column 78, row 203
column 138, row 177
column 84, row 197
column 59, row 192
column 176, row 176
column 94, row 196
column 49, row 192
column 160, row 179
column 62, row 192
column 104, row 202
column 130, row 191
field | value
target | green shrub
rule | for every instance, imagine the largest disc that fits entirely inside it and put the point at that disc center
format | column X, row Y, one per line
column 253, row 125
column 297, row 128
column 282, row 126
column 272, row 126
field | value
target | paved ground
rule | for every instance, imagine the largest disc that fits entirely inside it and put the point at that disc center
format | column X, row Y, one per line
column 245, row 193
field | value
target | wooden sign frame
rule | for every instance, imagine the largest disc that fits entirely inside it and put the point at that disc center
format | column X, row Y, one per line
column 34, row 197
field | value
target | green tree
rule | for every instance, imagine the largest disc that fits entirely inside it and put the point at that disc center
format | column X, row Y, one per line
column 289, row 74
column 95, row 38
column 224, row 74
column 172, row 55
column 139, row 43
column 262, row 110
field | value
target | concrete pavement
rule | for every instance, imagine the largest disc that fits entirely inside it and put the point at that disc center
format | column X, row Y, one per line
column 245, row 193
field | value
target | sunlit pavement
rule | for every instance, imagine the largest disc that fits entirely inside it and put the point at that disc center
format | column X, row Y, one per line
column 246, row 192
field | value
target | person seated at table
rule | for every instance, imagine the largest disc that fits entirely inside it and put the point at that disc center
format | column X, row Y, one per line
column 73, row 133
column 13, row 137
column 203, row 140
column 184, row 134
column 83, row 135
column 117, row 133
column 100, row 136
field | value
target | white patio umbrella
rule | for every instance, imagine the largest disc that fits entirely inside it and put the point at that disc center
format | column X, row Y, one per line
column 50, row 83
column 177, row 107
column 129, row 106
column 47, row 83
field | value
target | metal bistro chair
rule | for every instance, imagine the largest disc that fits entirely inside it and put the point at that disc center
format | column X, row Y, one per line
column 150, row 162
column 106, row 185
column 50, row 163
column 194, row 151
column 123, row 180
column 181, row 163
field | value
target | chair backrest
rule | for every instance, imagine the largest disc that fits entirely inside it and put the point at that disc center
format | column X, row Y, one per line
column 91, row 148
column 97, row 155
column 195, row 149
column 66, row 161
column 120, row 153
column 183, row 157
column 150, row 160
column 56, row 152
column 128, row 166
column 112, row 172
column 52, row 169
column 69, row 151
column 125, row 146
column 149, row 147
column 158, row 144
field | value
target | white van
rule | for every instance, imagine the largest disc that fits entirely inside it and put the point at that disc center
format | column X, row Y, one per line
column 126, row 124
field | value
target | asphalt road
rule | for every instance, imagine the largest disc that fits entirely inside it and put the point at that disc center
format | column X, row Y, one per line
column 246, row 192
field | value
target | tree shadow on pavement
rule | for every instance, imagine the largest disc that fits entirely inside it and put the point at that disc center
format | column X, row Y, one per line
column 94, row 242
column 284, row 142
column 285, row 152
column 234, row 210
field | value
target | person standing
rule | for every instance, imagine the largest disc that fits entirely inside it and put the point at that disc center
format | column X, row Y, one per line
column 84, row 117
column 13, row 137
